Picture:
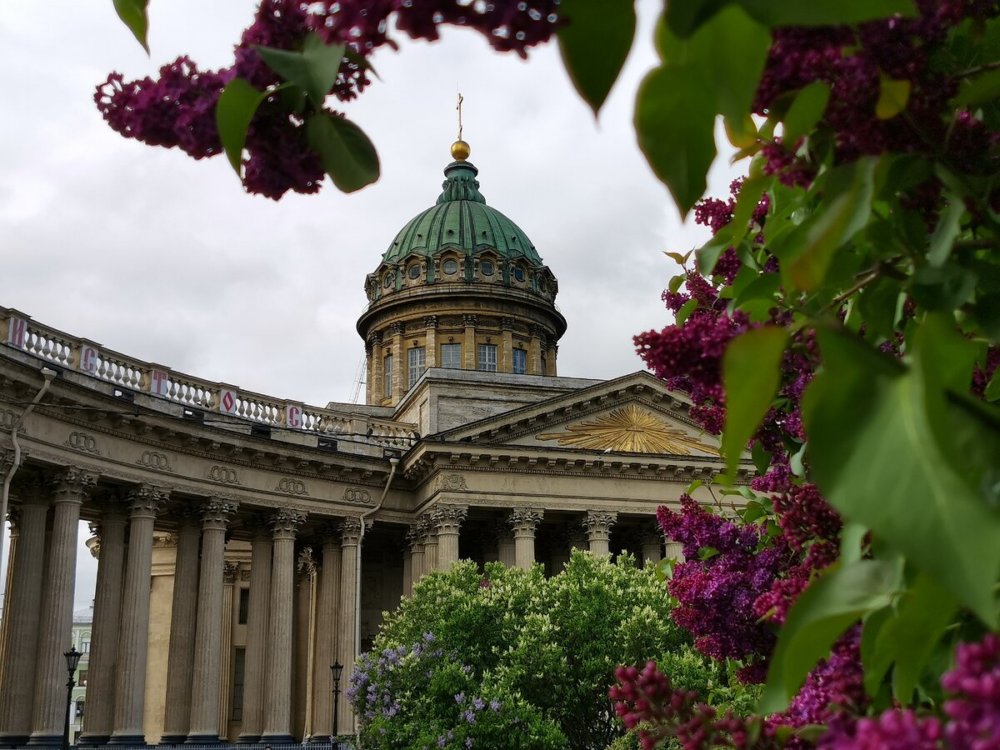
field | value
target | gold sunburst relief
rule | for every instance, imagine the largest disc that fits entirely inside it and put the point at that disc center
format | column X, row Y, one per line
column 629, row 430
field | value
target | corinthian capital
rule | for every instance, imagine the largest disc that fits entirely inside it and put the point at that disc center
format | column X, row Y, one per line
column 285, row 522
column 215, row 514
column 598, row 524
column 447, row 518
column 147, row 500
column 73, row 485
column 350, row 531
column 524, row 521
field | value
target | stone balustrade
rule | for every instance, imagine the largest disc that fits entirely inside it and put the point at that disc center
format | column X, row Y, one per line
column 89, row 358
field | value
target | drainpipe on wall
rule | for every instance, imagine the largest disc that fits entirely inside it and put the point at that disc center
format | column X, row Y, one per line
column 49, row 375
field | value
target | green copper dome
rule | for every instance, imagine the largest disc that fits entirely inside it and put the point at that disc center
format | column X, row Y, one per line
column 461, row 219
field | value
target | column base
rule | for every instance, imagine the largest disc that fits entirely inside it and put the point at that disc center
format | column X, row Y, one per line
column 13, row 740
column 127, row 739
column 45, row 740
column 93, row 739
column 172, row 739
column 319, row 739
column 202, row 739
column 248, row 739
column 277, row 739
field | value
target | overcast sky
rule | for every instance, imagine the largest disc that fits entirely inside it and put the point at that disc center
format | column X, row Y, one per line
column 164, row 258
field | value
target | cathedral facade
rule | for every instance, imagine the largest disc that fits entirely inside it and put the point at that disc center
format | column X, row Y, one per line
column 245, row 543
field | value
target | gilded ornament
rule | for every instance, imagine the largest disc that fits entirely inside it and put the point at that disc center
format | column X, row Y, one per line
column 629, row 430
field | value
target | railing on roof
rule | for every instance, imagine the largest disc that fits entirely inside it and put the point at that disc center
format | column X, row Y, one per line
column 19, row 331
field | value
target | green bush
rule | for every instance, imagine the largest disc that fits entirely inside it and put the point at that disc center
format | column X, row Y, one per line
column 508, row 659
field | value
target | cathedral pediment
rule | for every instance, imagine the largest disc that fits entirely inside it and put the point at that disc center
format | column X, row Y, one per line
column 634, row 414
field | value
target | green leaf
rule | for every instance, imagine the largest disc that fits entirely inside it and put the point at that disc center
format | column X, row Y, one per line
column 708, row 254
column 979, row 90
column 825, row 12
column 761, row 457
column 730, row 49
column 233, row 112
column 839, row 597
column 864, row 413
column 347, row 154
column 993, row 387
column 674, row 124
column 750, row 192
column 313, row 70
column 595, row 43
column 880, row 306
column 946, row 231
column 751, row 372
column 844, row 212
column 684, row 18
column 924, row 614
column 685, row 312
column 134, row 14
column 805, row 111
column 892, row 98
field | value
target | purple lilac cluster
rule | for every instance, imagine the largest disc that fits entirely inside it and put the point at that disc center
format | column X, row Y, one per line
column 178, row 108
column 508, row 26
column 369, row 690
column 647, row 703
column 853, row 62
column 724, row 573
column 973, row 709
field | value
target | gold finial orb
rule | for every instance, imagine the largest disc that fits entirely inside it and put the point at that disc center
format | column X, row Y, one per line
column 460, row 150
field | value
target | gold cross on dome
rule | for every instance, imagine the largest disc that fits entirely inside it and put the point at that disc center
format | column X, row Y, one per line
column 459, row 108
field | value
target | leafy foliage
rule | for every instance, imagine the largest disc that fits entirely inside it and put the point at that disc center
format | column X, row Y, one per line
column 507, row 656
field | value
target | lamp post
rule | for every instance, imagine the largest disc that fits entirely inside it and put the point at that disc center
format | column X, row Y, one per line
column 336, row 669
column 72, row 660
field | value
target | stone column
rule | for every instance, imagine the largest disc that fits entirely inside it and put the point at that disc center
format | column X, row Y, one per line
column 376, row 391
column 598, row 524
column 98, row 720
column 398, row 365
column 524, row 521
column 430, row 353
column 651, row 541
column 56, row 624
column 550, row 360
column 506, row 345
column 327, row 606
column 21, row 617
column 183, row 613
column 430, row 543
column 414, row 538
column 506, row 549
column 469, row 342
column 13, row 520
column 230, row 574
column 205, row 678
column 130, row 686
column 257, row 622
column 535, row 351
column 278, row 659
column 302, row 642
column 447, row 520
column 674, row 551
column 350, row 540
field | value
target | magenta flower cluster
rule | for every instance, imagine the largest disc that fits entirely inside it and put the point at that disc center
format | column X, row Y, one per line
column 177, row 109
column 854, row 61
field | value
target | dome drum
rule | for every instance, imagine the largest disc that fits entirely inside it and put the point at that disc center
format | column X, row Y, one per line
column 461, row 287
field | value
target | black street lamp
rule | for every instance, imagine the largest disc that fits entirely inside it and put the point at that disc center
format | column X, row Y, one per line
column 336, row 669
column 72, row 660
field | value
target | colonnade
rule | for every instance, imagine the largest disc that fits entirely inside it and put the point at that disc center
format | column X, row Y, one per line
column 37, row 623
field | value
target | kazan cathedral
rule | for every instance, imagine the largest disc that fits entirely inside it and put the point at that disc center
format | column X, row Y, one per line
column 247, row 543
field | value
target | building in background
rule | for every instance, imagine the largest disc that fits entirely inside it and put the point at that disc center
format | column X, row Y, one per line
column 247, row 542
